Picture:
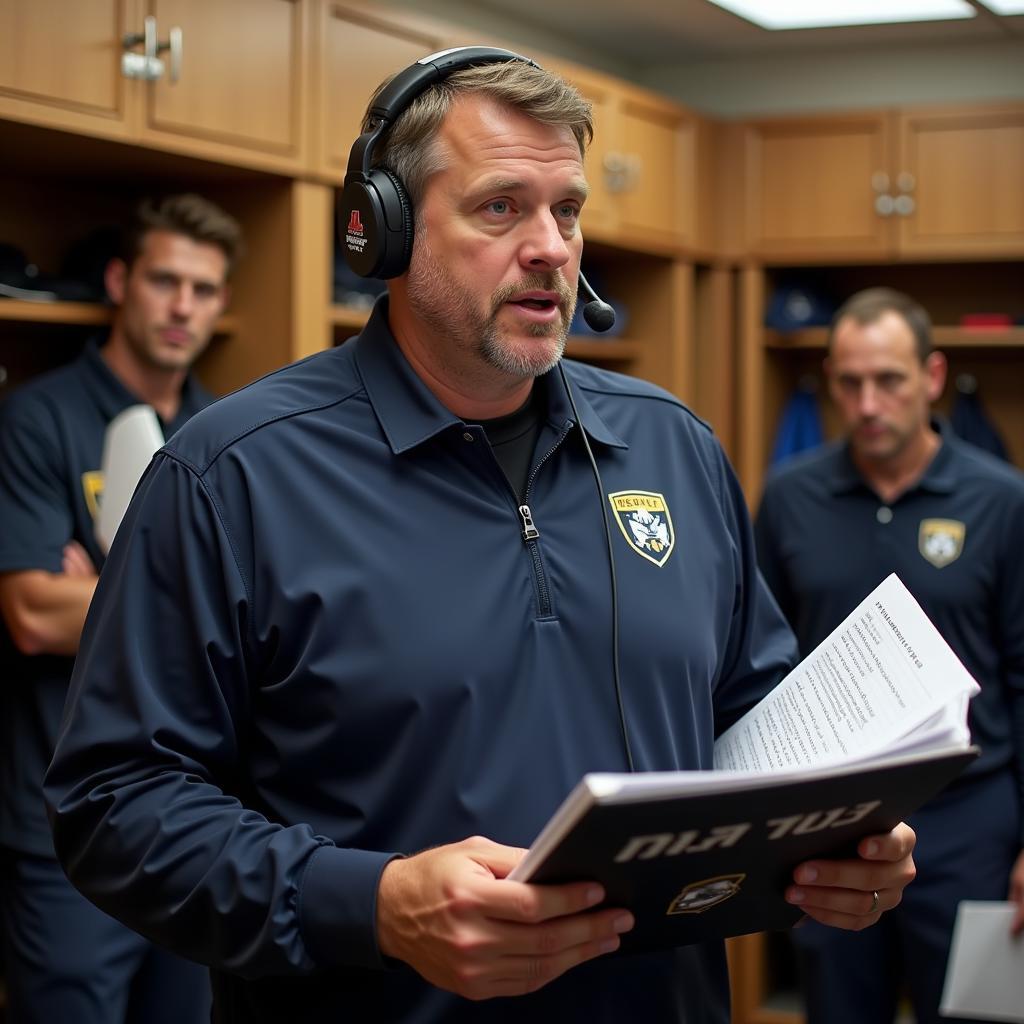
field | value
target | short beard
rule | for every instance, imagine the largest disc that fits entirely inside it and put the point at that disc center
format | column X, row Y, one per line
column 448, row 309
column 528, row 362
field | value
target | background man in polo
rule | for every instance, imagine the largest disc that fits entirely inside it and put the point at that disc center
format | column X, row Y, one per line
column 64, row 959
column 902, row 494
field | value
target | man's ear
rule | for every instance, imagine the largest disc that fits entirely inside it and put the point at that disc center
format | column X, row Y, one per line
column 935, row 368
column 114, row 277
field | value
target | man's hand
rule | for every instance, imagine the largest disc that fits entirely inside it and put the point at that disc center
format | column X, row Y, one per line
column 451, row 914
column 1016, row 895
column 842, row 893
column 75, row 560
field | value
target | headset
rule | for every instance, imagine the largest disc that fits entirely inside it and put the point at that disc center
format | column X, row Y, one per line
column 377, row 222
column 375, row 214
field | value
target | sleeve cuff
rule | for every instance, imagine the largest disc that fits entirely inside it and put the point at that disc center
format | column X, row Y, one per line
column 338, row 907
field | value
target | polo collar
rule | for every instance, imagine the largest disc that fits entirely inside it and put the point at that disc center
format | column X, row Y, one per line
column 940, row 477
column 410, row 414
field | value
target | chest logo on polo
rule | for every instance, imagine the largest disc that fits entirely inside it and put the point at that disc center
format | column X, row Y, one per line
column 940, row 541
column 92, row 488
column 645, row 522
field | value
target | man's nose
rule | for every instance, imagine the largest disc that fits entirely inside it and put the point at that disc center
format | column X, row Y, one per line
column 184, row 300
column 868, row 402
column 545, row 246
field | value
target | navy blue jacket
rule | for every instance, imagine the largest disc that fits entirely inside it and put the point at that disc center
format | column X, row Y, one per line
column 51, row 446
column 322, row 640
column 824, row 539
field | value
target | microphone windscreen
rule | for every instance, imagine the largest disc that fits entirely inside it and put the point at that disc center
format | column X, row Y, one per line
column 599, row 315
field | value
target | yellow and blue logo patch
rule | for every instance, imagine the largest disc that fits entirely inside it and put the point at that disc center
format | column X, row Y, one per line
column 941, row 541
column 646, row 523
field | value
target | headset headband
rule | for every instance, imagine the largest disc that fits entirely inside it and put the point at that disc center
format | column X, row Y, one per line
column 396, row 96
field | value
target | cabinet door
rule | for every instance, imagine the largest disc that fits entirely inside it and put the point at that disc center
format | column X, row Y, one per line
column 964, row 173
column 811, row 186
column 60, row 64
column 241, row 88
column 356, row 49
column 599, row 217
column 658, row 200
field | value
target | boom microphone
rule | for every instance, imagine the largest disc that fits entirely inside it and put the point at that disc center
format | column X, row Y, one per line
column 598, row 314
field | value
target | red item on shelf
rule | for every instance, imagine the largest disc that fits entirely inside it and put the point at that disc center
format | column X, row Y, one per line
column 986, row 320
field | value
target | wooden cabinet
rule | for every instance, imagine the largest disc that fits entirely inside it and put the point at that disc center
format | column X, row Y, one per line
column 642, row 166
column 888, row 185
column 356, row 48
column 809, row 185
column 60, row 64
column 231, row 85
column 963, row 173
column 240, row 93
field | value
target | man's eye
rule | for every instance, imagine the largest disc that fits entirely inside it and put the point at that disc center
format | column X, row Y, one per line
column 499, row 206
column 568, row 211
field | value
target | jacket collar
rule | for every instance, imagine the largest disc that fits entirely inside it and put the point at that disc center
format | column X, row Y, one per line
column 410, row 414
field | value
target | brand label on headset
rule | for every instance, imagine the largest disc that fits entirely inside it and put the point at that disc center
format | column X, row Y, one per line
column 355, row 234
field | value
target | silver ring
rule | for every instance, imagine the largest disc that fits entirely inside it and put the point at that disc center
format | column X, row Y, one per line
column 874, row 901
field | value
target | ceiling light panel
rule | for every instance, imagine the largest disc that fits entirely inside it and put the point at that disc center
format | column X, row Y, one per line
column 791, row 14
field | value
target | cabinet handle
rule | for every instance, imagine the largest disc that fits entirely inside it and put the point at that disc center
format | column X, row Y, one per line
column 880, row 181
column 885, row 205
column 906, row 182
column 905, row 205
column 176, row 44
column 147, row 65
column 616, row 170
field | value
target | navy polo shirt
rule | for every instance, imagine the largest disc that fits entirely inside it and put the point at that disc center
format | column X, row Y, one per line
column 825, row 539
column 322, row 639
column 51, row 446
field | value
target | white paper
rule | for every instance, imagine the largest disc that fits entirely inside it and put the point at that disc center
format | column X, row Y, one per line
column 883, row 680
column 132, row 437
column 985, row 973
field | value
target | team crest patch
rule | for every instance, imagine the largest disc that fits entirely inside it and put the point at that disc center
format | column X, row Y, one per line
column 941, row 540
column 92, row 488
column 705, row 894
column 645, row 522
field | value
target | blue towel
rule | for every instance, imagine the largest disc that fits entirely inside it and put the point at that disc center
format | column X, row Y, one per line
column 800, row 427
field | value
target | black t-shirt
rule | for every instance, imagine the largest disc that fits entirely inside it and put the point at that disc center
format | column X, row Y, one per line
column 513, row 439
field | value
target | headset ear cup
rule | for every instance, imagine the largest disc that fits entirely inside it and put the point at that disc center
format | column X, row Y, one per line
column 398, row 250
column 377, row 225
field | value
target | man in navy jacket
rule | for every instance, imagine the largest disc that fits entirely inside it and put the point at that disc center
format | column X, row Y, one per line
column 355, row 644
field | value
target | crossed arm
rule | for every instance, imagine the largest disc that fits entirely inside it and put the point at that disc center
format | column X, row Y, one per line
column 45, row 611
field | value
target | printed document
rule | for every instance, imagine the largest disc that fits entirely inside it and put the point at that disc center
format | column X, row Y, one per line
column 883, row 682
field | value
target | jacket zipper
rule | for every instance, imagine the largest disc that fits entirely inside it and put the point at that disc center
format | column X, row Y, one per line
column 530, row 534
